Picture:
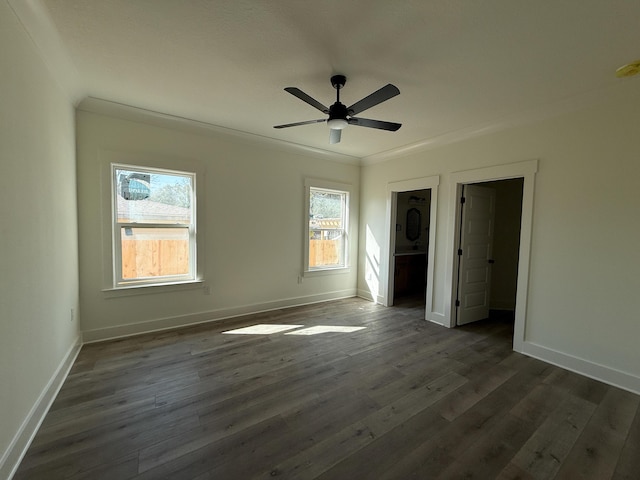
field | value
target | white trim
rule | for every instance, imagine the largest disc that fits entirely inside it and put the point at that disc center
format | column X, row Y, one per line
column 526, row 170
column 438, row 318
column 182, row 124
column 116, row 226
column 366, row 295
column 19, row 445
column 328, row 184
column 538, row 113
column 345, row 189
column 608, row 375
column 156, row 162
column 386, row 279
column 170, row 323
column 324, row 271
column 145, row 289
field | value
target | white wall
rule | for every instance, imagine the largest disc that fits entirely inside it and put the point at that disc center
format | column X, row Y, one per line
column 251, row 220
column 38, row 240
column 581, row 311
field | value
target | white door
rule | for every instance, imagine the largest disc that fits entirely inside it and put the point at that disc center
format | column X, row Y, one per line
column 475, row 250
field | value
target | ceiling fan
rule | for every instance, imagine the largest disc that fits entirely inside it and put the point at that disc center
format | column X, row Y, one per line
column 340, row 115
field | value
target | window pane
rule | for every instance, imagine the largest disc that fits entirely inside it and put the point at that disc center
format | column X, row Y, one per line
column 326, row 209
column 145, row 197
column 326, row 249
column 326, row 228
column 154, row 252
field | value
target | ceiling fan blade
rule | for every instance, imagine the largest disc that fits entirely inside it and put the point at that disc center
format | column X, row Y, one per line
column 379, row 96
column 308, row 122
column 296, row 92
column 334, row 136
column 379, row 124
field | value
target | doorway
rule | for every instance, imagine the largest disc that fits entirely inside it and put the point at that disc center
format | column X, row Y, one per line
column 490, row 216
column 421, row 234
column 526, row 170
column 411, row 245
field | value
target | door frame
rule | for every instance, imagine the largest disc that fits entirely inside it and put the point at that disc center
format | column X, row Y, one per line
column 393, row 188
column 525, row 170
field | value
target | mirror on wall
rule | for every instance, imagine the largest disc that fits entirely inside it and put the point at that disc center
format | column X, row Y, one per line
column 414, row 219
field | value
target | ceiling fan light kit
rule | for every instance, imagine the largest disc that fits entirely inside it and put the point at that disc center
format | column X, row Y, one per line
column 340, row 116
column 337, row 123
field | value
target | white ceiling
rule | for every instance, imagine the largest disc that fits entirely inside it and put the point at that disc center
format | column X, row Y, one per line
column 462, row 66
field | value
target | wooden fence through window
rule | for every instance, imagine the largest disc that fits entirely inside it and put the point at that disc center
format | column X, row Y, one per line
column 157, row 258
column 323, row 252
column 154, row 258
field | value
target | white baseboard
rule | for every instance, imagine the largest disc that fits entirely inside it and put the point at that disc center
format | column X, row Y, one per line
column 169, row 323
column 438, row 318
column 365, row 294
column 605, row 374
column 12, row 457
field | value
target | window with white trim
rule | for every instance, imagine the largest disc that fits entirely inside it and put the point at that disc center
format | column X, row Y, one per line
column 327, row 228
column 154, row 226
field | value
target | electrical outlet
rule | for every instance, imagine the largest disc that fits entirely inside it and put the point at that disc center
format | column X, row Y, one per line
column 207, row 290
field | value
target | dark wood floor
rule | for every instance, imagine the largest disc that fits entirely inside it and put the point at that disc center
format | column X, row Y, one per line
column 400, row 399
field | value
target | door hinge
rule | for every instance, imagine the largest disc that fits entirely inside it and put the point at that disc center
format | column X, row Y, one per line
column 462, row 200
column 457, row 303
column 459, row 252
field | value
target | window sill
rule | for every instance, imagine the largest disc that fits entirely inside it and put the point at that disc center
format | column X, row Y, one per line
column 326, row 271
column 130, row 290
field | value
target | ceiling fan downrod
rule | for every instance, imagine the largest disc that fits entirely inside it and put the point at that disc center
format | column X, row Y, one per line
column 338, row 112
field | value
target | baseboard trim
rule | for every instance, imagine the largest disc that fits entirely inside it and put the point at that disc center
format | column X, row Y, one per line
column 18, row 447
column 608, row 375
column 438, row 318
column 170, row 323
column 365, row 294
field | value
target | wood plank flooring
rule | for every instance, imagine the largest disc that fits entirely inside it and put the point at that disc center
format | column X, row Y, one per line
column 400, row 399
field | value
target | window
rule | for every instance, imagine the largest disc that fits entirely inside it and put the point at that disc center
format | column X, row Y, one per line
column 154, row 226
column 327, row 227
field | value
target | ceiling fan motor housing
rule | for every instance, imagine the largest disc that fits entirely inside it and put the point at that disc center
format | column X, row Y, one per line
column 338, row 110
column 338, row 81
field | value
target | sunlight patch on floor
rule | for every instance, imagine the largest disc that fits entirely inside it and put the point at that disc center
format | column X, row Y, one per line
column 325, row 329
column 262, row 329
column 269, row 329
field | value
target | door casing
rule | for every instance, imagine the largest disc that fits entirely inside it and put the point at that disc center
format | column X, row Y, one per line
column 525, row 170
column 393, row 188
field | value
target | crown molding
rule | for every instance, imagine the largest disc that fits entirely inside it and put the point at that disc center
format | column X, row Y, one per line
column 174, row 122
column 574, row 103
column 37, row 23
